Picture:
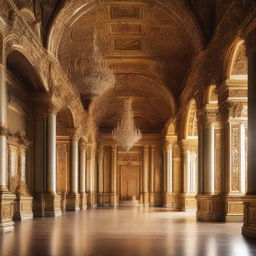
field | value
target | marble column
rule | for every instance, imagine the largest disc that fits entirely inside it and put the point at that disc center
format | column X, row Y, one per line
column 152, row 176
column 209, row 162
column 168, row 179
column 189, row 174
column 23, row 202
column 114, row 195
column 82, row 176
column 145, row 175
column 249, row 227
column 6, row 198
column 51, row 198
column 91, row 176
column 101, row 176
column 210, row 198
column 73, row 197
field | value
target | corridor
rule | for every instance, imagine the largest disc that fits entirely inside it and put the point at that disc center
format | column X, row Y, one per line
column 125, row 232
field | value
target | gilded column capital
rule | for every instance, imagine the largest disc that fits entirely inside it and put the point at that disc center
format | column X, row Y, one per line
column 4, row 131
column 146, row 148
column 168, row 145
column 74, row 134
column 52, row 109
column 82, row 145
column 207, row 116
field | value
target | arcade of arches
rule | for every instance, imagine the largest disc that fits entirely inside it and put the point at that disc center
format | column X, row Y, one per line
column 186, row 64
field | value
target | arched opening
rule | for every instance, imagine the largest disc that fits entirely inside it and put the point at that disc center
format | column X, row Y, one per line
column 24, row 87
column 235, row 87
column 65, row 131
column 190, row 156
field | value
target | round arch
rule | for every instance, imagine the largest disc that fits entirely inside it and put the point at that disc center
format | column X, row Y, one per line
column 71, row 11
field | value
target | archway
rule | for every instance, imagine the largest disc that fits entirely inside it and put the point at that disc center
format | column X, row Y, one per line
column 190, row 156
column 24, row 88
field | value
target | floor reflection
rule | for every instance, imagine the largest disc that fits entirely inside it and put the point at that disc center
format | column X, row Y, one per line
column 134, row 231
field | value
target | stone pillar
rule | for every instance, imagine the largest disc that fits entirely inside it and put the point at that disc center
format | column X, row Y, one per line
column 101, row 200
column 152, row 176
column 23, row 201
column 211, row 198
column 114, row 195
column 6, row 198
column 190, row 174
column 233, row 103
column 91, row 176
column 51, row 199
column 168, row 179
column 145, row 175
column 73, row 197
column 82, row 176
column 249, row 227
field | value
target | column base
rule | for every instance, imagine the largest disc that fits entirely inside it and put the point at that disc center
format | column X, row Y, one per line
column 249, row 227
column 167, row 200
column 23, row 206
column 145, row 199
column 234, row 208
column 6, row 210
column 104, row 199
column 73, row 202
column 63, row 201
column 211, row 208
column 190, row 204
column 83, row 201
column 151, row 199
column 91, row 200
column 173, row 201
column 114, row 199
column 47, row 205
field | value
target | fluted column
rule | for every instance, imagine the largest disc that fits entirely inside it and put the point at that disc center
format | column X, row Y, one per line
column 6, row 198
column 52, row 200
column 249, row 227
column 209, row 159
column 101, row 175
column 145, row 175
column 73, row 201
column 152, row 175
column 74, row 164
column 91, row 176
column 211, row 191
column 168, row 177
column 187, row 171
column 190, row 173
column 114, row 196
column 82, row 176
column 51, row 152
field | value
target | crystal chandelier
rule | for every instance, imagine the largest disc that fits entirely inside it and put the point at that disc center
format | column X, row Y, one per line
column 101, row 77
column 126, row 134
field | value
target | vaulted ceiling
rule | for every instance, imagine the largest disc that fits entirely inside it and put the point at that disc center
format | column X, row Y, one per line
column 149, row 45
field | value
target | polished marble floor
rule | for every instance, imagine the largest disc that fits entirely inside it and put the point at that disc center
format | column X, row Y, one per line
column 125, row 232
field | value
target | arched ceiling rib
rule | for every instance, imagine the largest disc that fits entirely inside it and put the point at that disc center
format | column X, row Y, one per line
column 136, row 39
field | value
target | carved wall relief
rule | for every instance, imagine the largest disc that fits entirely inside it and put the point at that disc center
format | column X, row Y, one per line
column 235, row 158
column 219, row 178
column 63, row 166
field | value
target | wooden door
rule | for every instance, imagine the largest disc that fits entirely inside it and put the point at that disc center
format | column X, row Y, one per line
column 129, row 182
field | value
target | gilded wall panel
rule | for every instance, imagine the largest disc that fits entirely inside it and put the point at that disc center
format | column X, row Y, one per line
column 235, row 158
column 218, row 179
column 107, row 170
column 63, row 169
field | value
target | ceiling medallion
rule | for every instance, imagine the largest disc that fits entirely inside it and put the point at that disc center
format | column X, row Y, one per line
column 126, row 134
column 101, row 78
